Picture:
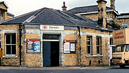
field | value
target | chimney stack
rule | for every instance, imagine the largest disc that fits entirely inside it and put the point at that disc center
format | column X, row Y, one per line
column 112, row 4
column 102, row 13
column 64, row 7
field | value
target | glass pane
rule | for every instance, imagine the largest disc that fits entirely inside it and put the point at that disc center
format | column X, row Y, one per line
column 119, row 49
column 88, row 49
column 113, row 49
column 88, row 42
column 111, row 41
column 48, row 36
column 98, row 41
column 88, row 38
column 13, row 49
column 13, row 38
column 98, row 49
column 8, row 49
column 8, row 39
column 122, row 48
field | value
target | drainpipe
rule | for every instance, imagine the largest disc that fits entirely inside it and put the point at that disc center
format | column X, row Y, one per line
column 80, row 46
column 20, row 42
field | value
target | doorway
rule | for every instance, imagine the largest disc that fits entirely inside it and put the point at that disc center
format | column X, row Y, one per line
column 50, row 53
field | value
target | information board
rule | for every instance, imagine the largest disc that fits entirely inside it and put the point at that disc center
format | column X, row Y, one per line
column 33, row 45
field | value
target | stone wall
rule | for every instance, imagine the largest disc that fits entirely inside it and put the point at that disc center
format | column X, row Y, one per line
column 94, row 59
column 121, row 21
column 71, row 59
column 95, row 15
column 30, row 59
column 13, row 60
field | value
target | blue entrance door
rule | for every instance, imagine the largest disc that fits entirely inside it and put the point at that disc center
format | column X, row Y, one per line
column 46, row 54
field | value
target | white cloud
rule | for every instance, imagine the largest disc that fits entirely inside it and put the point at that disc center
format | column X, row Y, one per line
column 18, row 7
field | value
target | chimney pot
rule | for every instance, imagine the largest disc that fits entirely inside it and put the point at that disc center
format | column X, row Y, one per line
column 112, row 4
column 64, row 7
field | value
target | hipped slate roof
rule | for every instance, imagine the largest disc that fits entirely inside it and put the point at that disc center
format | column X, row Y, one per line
column 47, row 16
column 85, row 9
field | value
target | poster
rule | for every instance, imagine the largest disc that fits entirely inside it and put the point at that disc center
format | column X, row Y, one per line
column 67, row 47
column 33, row 45
column 72, row 47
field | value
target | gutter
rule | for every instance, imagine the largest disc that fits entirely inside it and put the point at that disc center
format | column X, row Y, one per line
column 20, row 42
column 80, row 46
column 95, row 12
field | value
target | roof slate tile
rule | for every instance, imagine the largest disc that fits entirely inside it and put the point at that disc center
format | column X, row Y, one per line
column 47, row 16
column 85, row 9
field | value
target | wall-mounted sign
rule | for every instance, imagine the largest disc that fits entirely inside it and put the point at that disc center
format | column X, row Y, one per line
column 72, row 41
column 72, row 47
column 33, row 45
column 51, row 27
column 69, row 46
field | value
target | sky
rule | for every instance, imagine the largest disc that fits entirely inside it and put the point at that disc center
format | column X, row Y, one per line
column 19, row 7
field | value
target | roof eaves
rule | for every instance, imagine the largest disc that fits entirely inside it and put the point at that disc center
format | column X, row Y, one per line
column 95, row 12
column 124, row 14
column 83, row 7
column 10, row 14
column 10, row 23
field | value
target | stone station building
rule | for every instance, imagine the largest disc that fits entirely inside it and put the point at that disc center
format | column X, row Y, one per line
column 49, row 37
column 112, row 15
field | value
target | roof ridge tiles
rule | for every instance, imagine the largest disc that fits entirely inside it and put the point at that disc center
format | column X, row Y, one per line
column 61, row 16
column 33, row 16
column 82, row 9
column 85, row 6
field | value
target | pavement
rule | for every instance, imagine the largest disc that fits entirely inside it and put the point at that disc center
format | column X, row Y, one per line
column 64, row 70
column 53, row 68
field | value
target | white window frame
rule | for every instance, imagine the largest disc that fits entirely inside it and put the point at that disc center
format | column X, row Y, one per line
column 9, row 44
column 89, row 45
column 9, row 32
column 98, row 45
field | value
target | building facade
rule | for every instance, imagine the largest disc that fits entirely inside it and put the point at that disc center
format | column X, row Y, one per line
column 4, row 15
column 49, row 37
column 112, row 15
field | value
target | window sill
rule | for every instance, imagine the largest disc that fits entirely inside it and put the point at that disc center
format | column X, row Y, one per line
column 9, row 56
column 94, row 55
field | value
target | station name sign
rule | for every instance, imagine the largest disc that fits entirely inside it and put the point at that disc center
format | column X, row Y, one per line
column 51, row 27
